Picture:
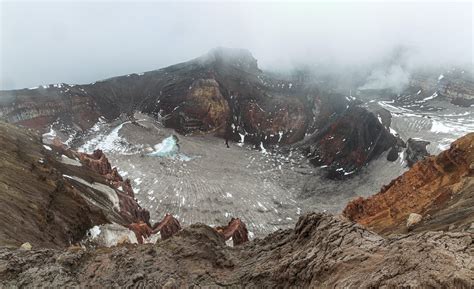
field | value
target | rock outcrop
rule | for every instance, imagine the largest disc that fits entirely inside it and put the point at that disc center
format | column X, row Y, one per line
column 439, row 188
column 39, row 107
column 39, row 204
column 453, row 85
column 51, row 196
column 223, row 93
column 203, row 109
column 348, row 142
column 321, row 252
column 416, row 151
column 236, row 230
column 457, row 85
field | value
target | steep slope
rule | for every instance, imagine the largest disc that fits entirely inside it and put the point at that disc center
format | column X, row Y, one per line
column 348, row 141
column 40, row 107
column 455, row 85
column 439, row 188
column 50, row 197
column 322, row 251
column 223, row 93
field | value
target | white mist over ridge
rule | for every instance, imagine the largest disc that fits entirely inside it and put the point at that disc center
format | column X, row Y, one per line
column 56, row 45
column 394, row 77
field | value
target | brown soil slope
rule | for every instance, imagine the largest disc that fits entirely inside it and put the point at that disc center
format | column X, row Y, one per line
column 440, row 188
column 49, row 199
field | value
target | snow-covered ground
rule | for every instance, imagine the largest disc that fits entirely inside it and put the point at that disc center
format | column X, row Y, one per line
column 440, row 128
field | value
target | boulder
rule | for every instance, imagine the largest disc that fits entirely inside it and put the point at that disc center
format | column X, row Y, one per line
column 413, row 219
column 416, row 151
column 26, row 246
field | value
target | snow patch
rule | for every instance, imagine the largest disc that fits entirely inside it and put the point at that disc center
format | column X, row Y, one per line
column 68, row 161
column 439, row 127
column 434, row 95
column 109, row 235
column 262, row 148
column 111, row 142
column 242, row 139
column 108, row 191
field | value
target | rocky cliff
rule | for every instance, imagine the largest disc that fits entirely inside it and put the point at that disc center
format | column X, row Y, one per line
column 50, row 196
column 321, row 251
column 453, row 85
column 348, row 141
column 223, row 93
column 438, row 188
column 40, row 107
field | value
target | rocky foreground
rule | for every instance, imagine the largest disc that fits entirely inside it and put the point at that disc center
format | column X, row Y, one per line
column 51, row 197
column 321, row 251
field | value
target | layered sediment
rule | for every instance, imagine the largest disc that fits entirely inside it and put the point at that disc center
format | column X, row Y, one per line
column 51, row 196
column 439, row 188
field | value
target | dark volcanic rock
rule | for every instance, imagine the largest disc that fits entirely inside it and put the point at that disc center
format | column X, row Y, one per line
column 416, row 151
column 454, row 85
column 321, row 252
column 223, row 92
column 40, row 107
column 348, row 142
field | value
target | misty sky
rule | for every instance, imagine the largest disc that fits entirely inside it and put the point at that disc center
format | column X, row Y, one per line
column 80, row 42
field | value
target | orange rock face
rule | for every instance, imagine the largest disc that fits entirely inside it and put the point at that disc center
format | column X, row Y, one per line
column 440, row 188
column 204, row 108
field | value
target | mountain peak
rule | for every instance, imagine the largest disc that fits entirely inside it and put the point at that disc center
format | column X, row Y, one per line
column 238, row 57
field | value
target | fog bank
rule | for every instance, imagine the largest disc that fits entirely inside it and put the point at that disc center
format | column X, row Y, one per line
column 52, row 42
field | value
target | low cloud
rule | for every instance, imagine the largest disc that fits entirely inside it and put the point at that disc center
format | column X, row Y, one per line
column 80, row 42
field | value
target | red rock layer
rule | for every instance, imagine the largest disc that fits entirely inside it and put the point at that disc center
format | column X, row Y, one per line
column 429, row 187
column 236, row 230
column 130, row 210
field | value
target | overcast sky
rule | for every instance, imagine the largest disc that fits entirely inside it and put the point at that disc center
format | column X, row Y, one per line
column 80, row 42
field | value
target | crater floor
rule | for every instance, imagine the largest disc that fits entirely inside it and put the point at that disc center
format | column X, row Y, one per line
column 267, row 190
